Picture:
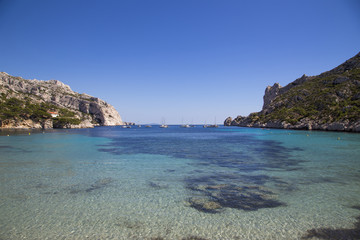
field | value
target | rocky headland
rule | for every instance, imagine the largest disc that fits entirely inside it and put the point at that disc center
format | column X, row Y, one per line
column 50, row 104
column 329, row 101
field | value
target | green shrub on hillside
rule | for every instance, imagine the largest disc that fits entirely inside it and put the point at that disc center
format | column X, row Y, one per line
column 14, row 108
column 322, row 98
column 63, row 112
column 63, row 121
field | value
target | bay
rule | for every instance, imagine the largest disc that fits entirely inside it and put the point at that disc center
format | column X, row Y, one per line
column 179, row 183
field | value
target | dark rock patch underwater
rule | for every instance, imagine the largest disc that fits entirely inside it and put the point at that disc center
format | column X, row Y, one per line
column 252, row 154
column 185, row 238
column 74, row 189
column 336, row 234
column 239, row 155
column 214, row 193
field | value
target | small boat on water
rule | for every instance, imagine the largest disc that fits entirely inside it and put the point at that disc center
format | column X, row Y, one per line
column 212, row 126
column 205, row 125
column 126, row 126
column 163, row 125
column 148, row 126
column 184, row 125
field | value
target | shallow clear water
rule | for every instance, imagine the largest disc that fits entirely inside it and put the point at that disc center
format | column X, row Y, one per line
column 179, row 183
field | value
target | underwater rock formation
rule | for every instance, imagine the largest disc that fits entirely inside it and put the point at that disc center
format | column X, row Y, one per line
column 220, row 196
column 336, row 234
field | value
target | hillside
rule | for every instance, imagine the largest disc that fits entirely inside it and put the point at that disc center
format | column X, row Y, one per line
column 50, row 104
column 329, row 101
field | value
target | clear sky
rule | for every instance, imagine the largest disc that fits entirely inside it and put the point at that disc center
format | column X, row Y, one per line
column 182, row 60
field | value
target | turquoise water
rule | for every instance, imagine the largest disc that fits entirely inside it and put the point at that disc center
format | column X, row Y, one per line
column 179, row 183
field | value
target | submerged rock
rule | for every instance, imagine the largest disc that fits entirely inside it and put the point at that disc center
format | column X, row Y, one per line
column 204, row 205
column 99, row 184
column 157, row 185
column 220, row 196
column 193, row 238
column 87, row 188
column 335, row 233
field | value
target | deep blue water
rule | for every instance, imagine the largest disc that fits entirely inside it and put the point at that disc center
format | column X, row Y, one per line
column 178, row 183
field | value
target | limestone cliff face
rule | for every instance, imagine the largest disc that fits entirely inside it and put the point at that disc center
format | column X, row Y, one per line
column 329, row 101
column 90, row 110
column 272, row 92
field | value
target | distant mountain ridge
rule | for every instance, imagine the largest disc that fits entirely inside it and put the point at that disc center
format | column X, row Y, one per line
column 329, row 101
column 47, row 104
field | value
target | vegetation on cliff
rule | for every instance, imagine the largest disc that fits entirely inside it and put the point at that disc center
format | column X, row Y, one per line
column 29, row 103
column 16, row 109
column 329, row 99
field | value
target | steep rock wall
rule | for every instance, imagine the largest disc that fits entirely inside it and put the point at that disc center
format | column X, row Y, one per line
column 60, row 94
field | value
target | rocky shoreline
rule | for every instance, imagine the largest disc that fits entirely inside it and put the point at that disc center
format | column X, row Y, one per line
column 46, row 124
column 304, row 124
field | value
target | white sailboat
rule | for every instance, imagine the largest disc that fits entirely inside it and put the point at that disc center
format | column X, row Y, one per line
column 192, row 123
column 163, row 125
column 184, row 125
column 213, row 126
column 205, row 125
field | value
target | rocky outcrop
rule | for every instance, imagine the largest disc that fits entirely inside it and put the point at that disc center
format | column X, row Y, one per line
column 272, row 92
column 329, row 101
column 91, row 111
column 19, row 124
column 228, row 121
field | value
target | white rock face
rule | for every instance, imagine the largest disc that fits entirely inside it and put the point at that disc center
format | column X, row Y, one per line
column 12, row 124
column 270, row 94
column 60, row 94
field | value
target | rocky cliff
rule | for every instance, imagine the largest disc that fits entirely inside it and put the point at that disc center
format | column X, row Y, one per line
column 329, row 101
column 46, row 104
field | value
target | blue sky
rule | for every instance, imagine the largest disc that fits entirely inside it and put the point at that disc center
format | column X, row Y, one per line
column 182, row 60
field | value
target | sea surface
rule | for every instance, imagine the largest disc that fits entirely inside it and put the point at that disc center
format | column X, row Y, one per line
column 179, row 183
